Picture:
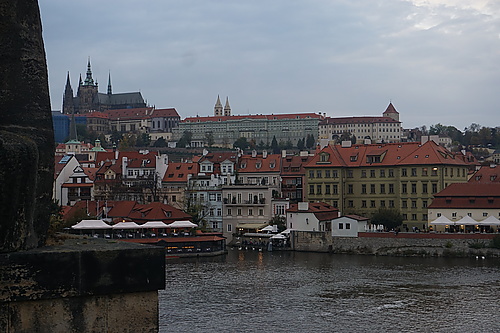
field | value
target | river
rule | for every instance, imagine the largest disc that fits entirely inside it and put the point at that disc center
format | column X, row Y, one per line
column 249, row 291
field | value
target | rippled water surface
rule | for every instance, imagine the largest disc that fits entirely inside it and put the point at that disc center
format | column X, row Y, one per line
column 247, row 291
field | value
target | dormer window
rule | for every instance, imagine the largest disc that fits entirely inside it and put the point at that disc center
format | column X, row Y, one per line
column 258, row 165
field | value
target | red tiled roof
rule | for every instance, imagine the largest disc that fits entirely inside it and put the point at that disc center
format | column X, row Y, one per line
column 135, row 158
column 170, row 112
column 486, row 174
column 357, row 120
column 272, row 163
column 321, row 210
column 404, row 153
column 97, row 114
column 219, row 157
column 390, row 109
column 90, row 172
column 137, row 113
column 256, row 116
column 178, row 172
column 294, row 165
column 468, row 195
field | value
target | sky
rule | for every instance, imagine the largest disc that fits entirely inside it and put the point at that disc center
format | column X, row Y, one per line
column 437, row 61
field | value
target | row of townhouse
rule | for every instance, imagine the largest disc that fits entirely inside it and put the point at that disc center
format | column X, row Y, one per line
column 234, row 192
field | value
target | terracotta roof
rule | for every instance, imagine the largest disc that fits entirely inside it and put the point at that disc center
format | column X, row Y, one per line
column 171, row 112
column 178, row 172
column 389, row 154
column 486, row 174
column 322, row 211
column 135, row 158
column 357, row 217
column 249, row 164
column 256, row 116
column 357, row 120
column 155, row 211
column 294, row 165
column 97, row 114
column 137, row 113
column 390, row 109
column 90, row 172
column 219, row 157
column 468, row 195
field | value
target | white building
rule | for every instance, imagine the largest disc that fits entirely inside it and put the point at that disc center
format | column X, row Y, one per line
column 306, row 216
column 348, row 226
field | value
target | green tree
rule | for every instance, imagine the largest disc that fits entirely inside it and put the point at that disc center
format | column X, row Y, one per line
column 279, row 221
column 241, row 143
column 300, row 144
column 388, row 217
column 160, row 142
column 274, row 145
column 143, row 140
column 115, row 137
column 127, row 143
column 209, row 137
column 185, row 140
column 310, row 141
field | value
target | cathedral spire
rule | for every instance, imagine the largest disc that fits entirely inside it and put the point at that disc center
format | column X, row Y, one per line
column 89, row 81
column 218, row 107
column 110, row 91
column 227, row 108
column 67, row 104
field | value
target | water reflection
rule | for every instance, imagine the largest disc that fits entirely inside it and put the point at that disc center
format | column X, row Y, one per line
column 251, row 291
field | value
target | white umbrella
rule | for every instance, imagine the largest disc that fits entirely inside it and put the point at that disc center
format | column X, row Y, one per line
column 287, row 231
column 442, row 220
column 490, row 220
column 466, row 220
column 126, row 225
column 91, row 224
column 153, row 225
column 278, row 236
column 268, row 228
column 182, row 224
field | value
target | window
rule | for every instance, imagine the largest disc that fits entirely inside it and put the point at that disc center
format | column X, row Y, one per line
column 424, row 187
column 372, row 204
column 311, row 189
column 229, row 228
column 434, row 171
column 414, row 204
column 261, row 211
column 350, row 189
column 327, row 188
column 335, row 189
column 219, row 211
column 469, row 214
column 363, row 173
column 174, row 198
column 414, row 172
column 229, row 212
column 438, row 214
column 485, row 214
column 348, row 226
column 327, row 173
column 341, row 225
column 318, row 189
column 372, row 188
column 349, row 174
column 238, row 212
column 363, row 203
column 405, row 217
column 403, row 172
column 382, row 188
column 414, row 217
column 404, row 188
column 250, row 211
column 318, row 174
column 434, row 188
column 391, row 172
column 350, row 203
column 424, row 171
column 404, row 204
column 372, row 173
column 413, row 188
column 335, row 174
column 311, row 173
column 425, row 217
column 391, row 203
column 454, row 214
column 391, row 188
column 363, row 188
column 335, row 203
column 424, row 203
column 382, row 203
column 382, row 173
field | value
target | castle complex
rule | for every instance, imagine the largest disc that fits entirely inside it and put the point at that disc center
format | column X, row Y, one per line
column 89, row 99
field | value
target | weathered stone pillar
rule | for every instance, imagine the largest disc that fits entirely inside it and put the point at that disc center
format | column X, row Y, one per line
column 26, row 134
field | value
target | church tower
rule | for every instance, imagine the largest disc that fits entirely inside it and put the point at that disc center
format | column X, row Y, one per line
column 218, row 107
column 227, row 108
column 87, row 93
column 391, row 112
column 68, row 105
column 110, row 91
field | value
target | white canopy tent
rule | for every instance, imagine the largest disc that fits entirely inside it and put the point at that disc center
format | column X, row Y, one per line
column 287, row 231
column 268, row 228
column 466, row 220
column 490, row 220
column 182, row 224
column 279, row 236
column 442, row 220
column 153, row 225
column 125, row 225
column 91, row 225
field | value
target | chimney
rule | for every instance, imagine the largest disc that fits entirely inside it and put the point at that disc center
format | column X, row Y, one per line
column 346, row 144
column 264, row 153
column 303, row 206
column 254, row 153
column 283, row 153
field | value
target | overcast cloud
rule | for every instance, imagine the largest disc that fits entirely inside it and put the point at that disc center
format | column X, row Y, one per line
column 438, row 61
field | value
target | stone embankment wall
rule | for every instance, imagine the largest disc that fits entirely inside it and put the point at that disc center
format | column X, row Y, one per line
column 390, row 244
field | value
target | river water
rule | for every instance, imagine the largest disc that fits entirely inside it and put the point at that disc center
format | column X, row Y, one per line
column 249, row 291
